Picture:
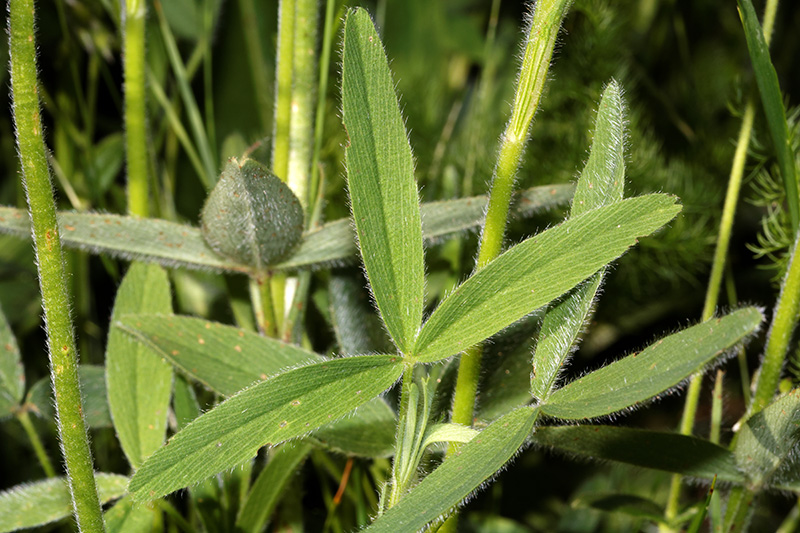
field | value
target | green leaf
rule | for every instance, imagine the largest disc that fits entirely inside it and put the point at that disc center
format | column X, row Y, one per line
column 227, row 360
column 143, row 239
column 276, row 410
column 270, row 486
column 251, row 216
column 768, row 86
column 42, row 502
column 602, row 182
column 380, row 177
column 126, row 516
column 12, row 374
column 368, row 433
column 767, row 443
column 180, row 245
column 663, row 365
column 561, row 327
column 670, row 452
column 459, row 475
column 224, row 358
column 93, row 394
column 139, row 380
column 537, row 271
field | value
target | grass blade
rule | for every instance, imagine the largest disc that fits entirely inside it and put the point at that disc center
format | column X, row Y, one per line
column 276, row 410
column 383, row 191
column 537, row 271
column 42, row 502
column 139, row 380
column 670, row 452
column 768, row 86
column 459, row 475
column 663, row 365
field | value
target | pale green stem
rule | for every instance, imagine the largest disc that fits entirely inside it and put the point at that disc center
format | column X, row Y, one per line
column 283, row 89
column 261, row 298
column 50, row 262
column 255, row 57
column 304, row 86
column 544, row 28
column 401, row 436
column 791, row 523
column 780, row 333
column 25, row 420
column 208, row 73
column 135, row 16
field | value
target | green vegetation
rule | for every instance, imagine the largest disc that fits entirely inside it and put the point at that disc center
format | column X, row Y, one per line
column 286, row 288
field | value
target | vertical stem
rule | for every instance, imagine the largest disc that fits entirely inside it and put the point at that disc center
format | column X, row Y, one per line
column 52, row 281
column 780, row 333
column 38, row 448
column 134, row 15
column 283, row 89
column 542, row 34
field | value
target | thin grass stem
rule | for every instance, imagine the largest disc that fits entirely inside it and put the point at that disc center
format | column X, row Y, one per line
column 135, row 17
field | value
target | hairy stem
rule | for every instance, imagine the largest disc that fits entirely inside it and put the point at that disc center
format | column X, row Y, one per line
column 135, row 16
column 52, row 278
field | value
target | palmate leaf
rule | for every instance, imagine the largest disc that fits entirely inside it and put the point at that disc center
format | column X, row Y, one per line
column 12, row 375
column 663, row 365
column 139, row 381
column 41, row 502
column 670, row 452
column 766, row 447
column 601, row 183
column 537, row 271
column 284, row 407
column 228, row 359
column 179, row 245
column 459, row 475
column 380, row 178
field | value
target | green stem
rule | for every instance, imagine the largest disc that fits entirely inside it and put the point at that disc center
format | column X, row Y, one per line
column 135, row 121
column 402, row 438
column 779, row 335
column 542, row 34
column 52, row 280
column 283, row 89
column 304, row 86
column 261, row 298
column 25, row 420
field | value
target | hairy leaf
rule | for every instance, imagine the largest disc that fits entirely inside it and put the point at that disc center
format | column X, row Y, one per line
column 459, row 475
column 12, row 374
column 663, row 365
column 41, row 502
column 139, row 381
column 284, row 407
column 670, row 452
column 601, row 183
column 537, row 271
column 180, row 245
column 380, row 178
column 766, row 446
column 126, row 516
column 227, row 360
